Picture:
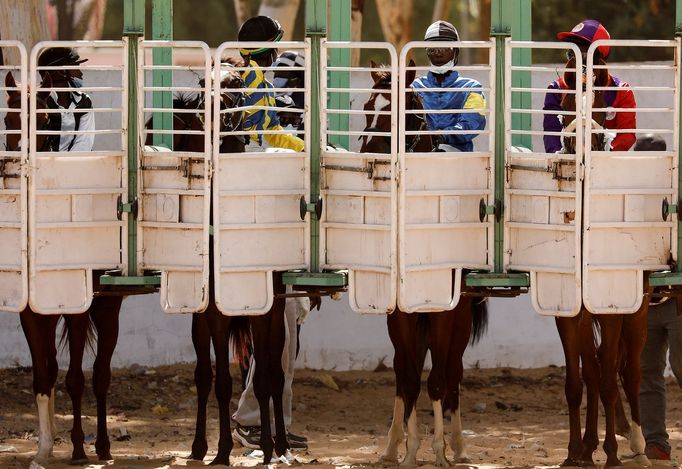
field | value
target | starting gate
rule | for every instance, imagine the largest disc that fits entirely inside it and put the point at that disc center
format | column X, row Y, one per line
column 175, row 183
column 74, row 228
column 13, row 189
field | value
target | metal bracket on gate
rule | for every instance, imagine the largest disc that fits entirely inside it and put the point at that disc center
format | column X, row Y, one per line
column 3, row 162
column 484, row 210
column 128, row 208
column 304, row 208
column 667, row 208
column 185, row 167
column 555, row 169
column 369, row 169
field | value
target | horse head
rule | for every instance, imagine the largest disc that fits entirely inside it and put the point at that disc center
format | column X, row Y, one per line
column 13, row 117
column 568, row 104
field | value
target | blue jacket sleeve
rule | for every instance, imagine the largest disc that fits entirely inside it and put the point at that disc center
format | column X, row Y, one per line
column 468, row 121
column 551, row 121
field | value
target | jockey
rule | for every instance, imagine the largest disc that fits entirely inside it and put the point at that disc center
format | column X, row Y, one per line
column 263, row 28
column 77, row 118
column 462, row 94
column 290, row 79
column 584, row 34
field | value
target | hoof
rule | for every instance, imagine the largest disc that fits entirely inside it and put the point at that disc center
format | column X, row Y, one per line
column 642, row 460
column 198, row 451
column 408, row 464
column 220, row 460
column 572, row 462
column 79, row 461
column 386, row 460
column 442, row 462
column 462, row 460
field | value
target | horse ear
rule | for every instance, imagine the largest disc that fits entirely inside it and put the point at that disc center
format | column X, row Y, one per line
column 376, row 76
column 569, row 76
column 10, row 83
column 410, row 74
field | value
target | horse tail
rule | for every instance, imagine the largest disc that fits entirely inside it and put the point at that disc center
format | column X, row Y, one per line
column 90, row 334
column 240, row 336
column 479, row 319
column 596, row 331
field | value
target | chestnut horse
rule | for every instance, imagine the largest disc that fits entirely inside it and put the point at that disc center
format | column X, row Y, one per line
column 212, row 327
column 622, row 340
column 445, row 333
column 41, row 330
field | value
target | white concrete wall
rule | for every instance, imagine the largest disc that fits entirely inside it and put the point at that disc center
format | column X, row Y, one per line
column 333, row 338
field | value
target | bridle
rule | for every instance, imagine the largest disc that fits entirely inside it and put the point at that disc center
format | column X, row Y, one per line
column 40, row 104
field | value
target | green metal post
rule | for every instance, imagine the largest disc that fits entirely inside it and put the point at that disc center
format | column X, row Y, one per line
column 162, row 29
column 133, row 28
column 340, row 31
column 316, row 29
column 521, row 31
column 678, row 33
column 501, row 14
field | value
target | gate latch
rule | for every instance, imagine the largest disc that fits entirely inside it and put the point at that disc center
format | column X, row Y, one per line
column 305, row 208
column 667, row 208
column 128, row 208
column 484, row 210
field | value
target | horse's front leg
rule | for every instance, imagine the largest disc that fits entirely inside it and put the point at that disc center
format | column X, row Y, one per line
column 260, row 330
column 203, row 377
column 219, row 325
column 77, row 326
column 104, row 313
column 590, row 373
column 568, row 329
column 611, row 326
column 40, row 333
column 278, row 340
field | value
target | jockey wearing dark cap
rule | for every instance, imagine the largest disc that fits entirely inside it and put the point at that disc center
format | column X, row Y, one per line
column 263, row 29
column 584, row 34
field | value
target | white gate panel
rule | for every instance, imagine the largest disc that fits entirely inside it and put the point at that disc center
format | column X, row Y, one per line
column 74, row 227
column 175, row 185
column 625, row 233
column 13, row 181
column 358, row 230
column 439, row 227
column 542, row 199
column 257, row 227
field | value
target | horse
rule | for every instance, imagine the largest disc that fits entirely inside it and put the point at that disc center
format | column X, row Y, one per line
column 445, row 333
column 622, row 339
column 41, row 330
column 212, row 327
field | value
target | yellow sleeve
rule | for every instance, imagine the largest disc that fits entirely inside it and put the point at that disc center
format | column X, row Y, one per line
column 289, row 141
column 475, row 101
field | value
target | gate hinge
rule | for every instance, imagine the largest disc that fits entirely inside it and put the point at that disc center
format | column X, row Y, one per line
column 667, row 208
column 127, row 208
column 484, row 210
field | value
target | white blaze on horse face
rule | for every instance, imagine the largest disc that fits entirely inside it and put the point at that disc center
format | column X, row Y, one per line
column 46, row 438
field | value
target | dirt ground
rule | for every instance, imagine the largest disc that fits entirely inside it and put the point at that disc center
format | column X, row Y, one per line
column 511, row 417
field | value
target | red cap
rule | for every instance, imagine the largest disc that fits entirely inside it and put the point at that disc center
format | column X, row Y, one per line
column 587, row 31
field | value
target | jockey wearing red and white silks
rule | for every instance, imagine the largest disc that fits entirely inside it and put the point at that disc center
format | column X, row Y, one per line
column 615, row 120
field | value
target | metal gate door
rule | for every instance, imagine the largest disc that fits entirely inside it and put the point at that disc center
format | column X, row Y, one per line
column 175, row 185
column 359, row 192
column 74, row 228
column 542, row 199
column 439, row 228
column 624, row 233
column 257, row 226
column 13, row 181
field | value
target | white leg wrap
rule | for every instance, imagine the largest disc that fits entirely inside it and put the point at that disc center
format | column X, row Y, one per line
column 457, row 439
column 412, row 440
column 438, row 436
column 638, row 444
column 395, row 433
column 45, row 439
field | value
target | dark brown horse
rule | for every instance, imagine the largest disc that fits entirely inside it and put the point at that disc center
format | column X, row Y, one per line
column 445, row 334
column 211, row 327
column 41, row 330
column 622, row 341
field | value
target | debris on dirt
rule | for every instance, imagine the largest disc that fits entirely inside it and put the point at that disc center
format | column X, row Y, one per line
column 479, row 407
column 90, row 438
column 159, row 409
column 7, row 449
column 501, row 405
column 122, row 434
column 381, row 366
column 328, row 381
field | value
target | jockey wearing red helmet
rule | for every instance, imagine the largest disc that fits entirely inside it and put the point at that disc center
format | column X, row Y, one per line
column 583, row 35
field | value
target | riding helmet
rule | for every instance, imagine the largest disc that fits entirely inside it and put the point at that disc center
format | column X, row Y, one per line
column 586, row 32
column 259, row 28
column 59, row 56
column 441, row 31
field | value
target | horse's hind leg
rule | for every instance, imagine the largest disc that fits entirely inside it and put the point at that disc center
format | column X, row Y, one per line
column 203, row 377
column 105, row 314
column 40, row 332
column 568, row 329
column 461, row 333
column 77, row 330
column 590, row 373
column 219, row 325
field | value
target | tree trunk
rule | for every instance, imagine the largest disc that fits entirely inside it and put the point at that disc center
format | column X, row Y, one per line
column 96, row 23
column 395, row 19
column 284, row 11
column 242, row 11
column 25, row 21
column 441, row 10
column 356, row 12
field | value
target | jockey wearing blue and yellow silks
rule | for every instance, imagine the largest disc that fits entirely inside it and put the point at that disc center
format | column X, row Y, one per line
column 462, row 94
column 263, row 28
